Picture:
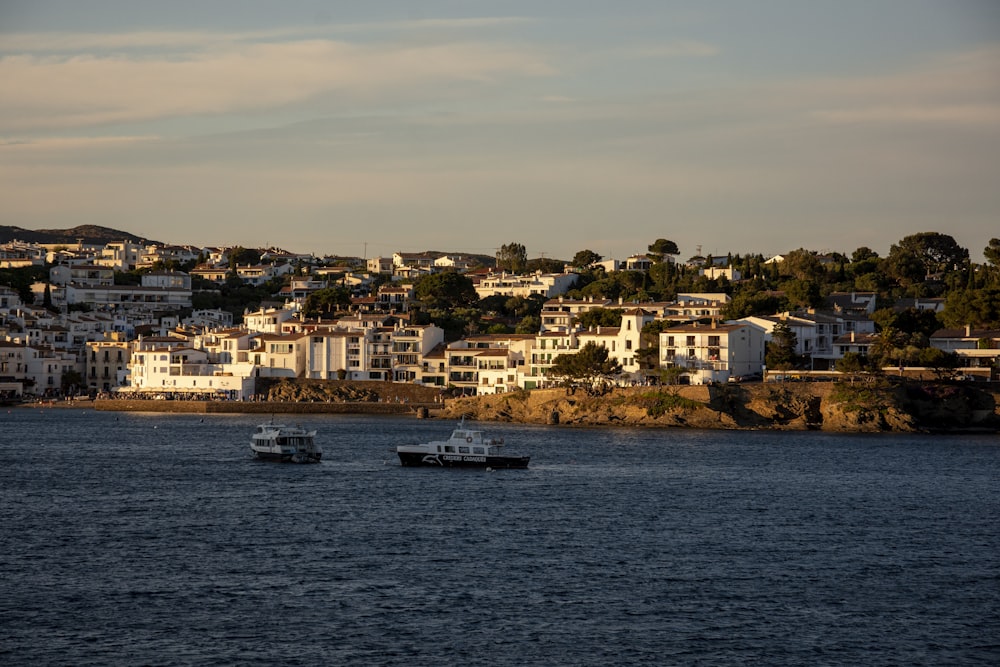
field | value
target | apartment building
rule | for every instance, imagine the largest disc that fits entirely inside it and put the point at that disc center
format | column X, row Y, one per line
column 712, row 353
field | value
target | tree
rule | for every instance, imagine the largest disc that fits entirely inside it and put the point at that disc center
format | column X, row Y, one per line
column 447, row 290
column 780, row 354
column 852, row 364
column 662, row 247
column 889, row 348
column 600, row 317
column 802, row 264
column 326, row 301
column 585, row 258
column 992, row 253
column 753, row 303
column 512, row 257
column 942, row 364
column 240, row 256
column 978, row 307
column 530, row 324
column 591, row 366
column 863, row 254
column 936, row 252
column 802, row 293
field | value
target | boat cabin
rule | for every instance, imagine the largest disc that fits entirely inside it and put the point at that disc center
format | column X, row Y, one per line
column 465, row 441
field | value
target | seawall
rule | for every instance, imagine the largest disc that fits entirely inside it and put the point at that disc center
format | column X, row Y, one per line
column 261, row 407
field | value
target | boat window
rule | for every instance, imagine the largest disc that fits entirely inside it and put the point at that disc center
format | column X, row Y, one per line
column 477, row 450
column 449, row 448
column 463, row 450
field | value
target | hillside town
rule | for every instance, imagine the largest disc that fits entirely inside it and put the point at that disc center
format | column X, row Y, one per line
column 123, row 318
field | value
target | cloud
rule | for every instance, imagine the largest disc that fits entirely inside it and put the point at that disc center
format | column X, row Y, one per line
column 955, row 89
column 680, row 49
column 66, row 91
column 55, row 42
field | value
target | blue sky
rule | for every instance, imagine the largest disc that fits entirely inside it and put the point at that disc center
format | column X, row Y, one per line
column 363, row 128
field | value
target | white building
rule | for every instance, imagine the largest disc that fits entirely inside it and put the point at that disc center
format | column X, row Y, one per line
column 411, row 343
column 267, row 320
column 165, row 367
column 623, row 342
column 535, row 284
column 84, row 275
column 558, row 314
column 712, row 353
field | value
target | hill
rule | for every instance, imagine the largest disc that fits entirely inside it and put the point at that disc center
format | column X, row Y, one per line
column 92, row 234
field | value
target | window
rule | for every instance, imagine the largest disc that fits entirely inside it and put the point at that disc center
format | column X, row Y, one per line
column 463, row 450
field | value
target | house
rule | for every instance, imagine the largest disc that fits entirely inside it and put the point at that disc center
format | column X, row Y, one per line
column 453, row 262
column 712, row 353
column 14, row 359
column 10, row 299
column 107, row 364
column 638, row 263
column 854, row 342
column 164, row 254
column 211, row 273
column 559, row 314
column 414, row 260
column 545, row 348
column 267, row 320
column 979, row 349
column 120, row 256
column 336, row 352
column 392, row 298
column 162, row 366
column 716, row 272
column 932, row 304
column 410, row 344
column 281, row 355
column 17, row 254
column 84, row 275
column 487, row 363
column 212, row 318
column 167, row 280
column 697, row 305
column 622, row 342
column 125, row 297
column 854, row 303
column 380, row 265
column 535, row 284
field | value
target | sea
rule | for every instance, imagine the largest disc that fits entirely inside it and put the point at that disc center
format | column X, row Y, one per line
column 156, row 539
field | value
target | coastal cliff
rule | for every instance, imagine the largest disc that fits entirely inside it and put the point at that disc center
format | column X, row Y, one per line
column 839, row 407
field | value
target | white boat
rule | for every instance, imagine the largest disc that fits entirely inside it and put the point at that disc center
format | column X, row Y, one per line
column 466, row 448
column 288, row 444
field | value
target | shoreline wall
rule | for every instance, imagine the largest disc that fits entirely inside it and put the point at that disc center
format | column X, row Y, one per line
column 265, row 407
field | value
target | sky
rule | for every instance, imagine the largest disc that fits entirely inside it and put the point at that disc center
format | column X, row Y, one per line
column 367, row 128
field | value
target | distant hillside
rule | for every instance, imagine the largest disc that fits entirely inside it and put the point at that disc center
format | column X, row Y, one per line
column 88, row 233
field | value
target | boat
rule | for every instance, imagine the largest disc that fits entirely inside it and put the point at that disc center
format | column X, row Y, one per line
column 466, row 448
column 288, row 444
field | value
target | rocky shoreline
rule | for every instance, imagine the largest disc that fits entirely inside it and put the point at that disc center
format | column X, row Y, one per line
column 834, row 407
column 939, row 407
